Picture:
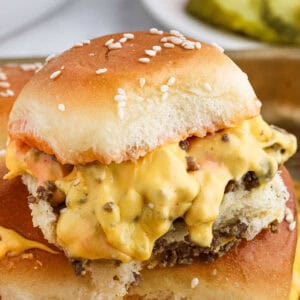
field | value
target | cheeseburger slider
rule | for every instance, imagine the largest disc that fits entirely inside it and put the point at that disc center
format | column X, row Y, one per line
column 148, row 164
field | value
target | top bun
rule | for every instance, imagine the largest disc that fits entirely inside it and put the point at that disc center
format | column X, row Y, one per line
column 70, row 111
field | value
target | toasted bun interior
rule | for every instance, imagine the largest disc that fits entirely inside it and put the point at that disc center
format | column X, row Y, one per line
column 179, row 93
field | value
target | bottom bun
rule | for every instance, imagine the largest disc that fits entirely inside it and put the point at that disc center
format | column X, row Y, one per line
column 258, row 269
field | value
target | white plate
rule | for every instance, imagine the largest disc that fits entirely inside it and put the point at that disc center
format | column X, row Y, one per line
column 172, row 14
column 16, row 15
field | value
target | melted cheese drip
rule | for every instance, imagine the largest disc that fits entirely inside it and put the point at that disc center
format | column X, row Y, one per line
column 119, row 210
column 12, row 243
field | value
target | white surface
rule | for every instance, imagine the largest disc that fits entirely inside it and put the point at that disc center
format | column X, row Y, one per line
column 60, row 29
column 171, row 13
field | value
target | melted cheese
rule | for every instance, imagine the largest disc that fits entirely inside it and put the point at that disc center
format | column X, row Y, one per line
column 12, row 243
column 119, row 210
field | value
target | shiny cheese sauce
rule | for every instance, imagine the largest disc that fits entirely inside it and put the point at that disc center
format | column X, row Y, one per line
column 119, row 210
column 12, row 243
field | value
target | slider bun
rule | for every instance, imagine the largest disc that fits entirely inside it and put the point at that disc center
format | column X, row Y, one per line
column 258, row 269
column 17, row 76
column 210, row 93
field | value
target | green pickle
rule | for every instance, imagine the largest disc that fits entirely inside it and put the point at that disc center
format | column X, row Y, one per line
column 268, row 20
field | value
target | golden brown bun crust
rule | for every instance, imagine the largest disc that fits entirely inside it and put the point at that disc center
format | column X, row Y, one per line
column 259, row 269
column 210, row 93
column 17, row 78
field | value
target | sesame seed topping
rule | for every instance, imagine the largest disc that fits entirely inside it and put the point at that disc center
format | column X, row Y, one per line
column 121, row 104
column 171, row 80
column 86, row 42
column 289, row 218
column 2, row 152
column 10, row 93
column 292, row 226
column 92, row 54
column 258, row 103
column 144, row 60
column 62, row 67
column 109, row 42
column 78, row 45
column 189, row 45
column 3, row 76
column 175, row 40
column 218, row 47
column 164, row 88
column 142, row 82
column 164, row 96
column 121, row 91
column 130, row 36
column 164, row 39
column 169, row 45
column 50, row 57
column 139, row 99
column 207, row 87
column 156, row 48
column 61, row 107
column 150, row 205
column 55, row 74
column 101, row 71
column 175, row 32
column 120, row 98
column 198, row 45
column 123, row 40
column 150, row 52
column 31, row 67
column 194, row 282
column 121, row 113
column 4, row 84
column 113, row 46
column 156, row 31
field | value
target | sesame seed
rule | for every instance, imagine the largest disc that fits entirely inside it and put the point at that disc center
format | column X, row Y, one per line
column 62, row 67
column 164, row 39
column 109, row 42
column 4, row 84
column 2, row 152
column 218, row 47
column 171, row 80
column 55, row 74
column 198, row 45
column 188, row 45
column 121, row 113
column 142, row 82
column 116, row 45
column 86, row 42
column 175, row 40
column 61, row 107
column 30, row 67
column 164, row 96
column 150, row 205
column 76, row 181
column 130, row 36
column 10, row 93
column 289, row 218
column 207, row 87
column 164, row 88
column 121, row 91
column 144, row 60
column 120, row 98
column 156, row 48
column 91, row 54
column 50, row 57
column 214, row 272
column 292, row 226
column 194, row 282
column 123, row 40
column 139, row 99
column 3, row 76
column 101, row 71
column 156, row 31
column 258, row 103
column 78, row 45
column 150, row 52
column 121, row 104
column 175, row 32
column 169, row 45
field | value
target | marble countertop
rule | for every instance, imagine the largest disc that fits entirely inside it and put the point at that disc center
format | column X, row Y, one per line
column 71, row 22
